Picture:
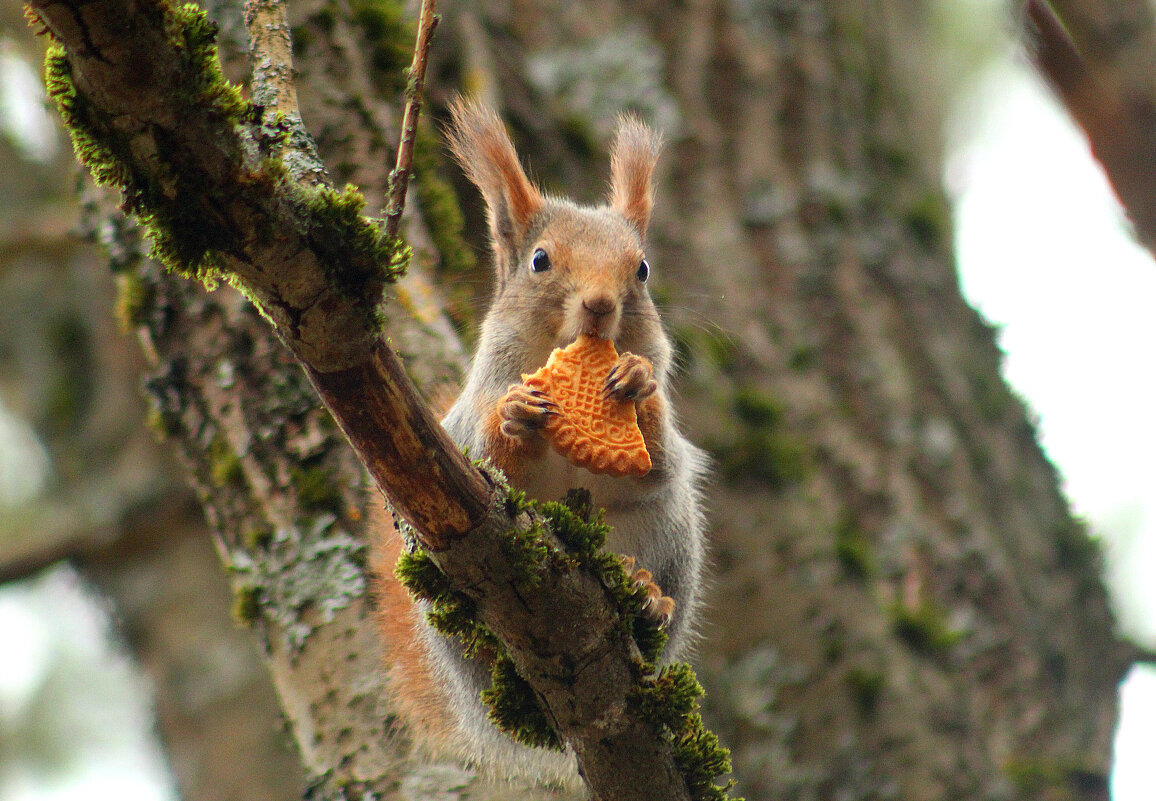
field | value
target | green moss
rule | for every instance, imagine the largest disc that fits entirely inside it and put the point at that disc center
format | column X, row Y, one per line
column 527, row 554
column 182, row 236
column 577, row 522
column 351, row 249
column 853, row 549
column 418, row 574
column 316, row 489
column 196, row 35
column 773, row 458
column 583, row 531
column 759, row 448
column 928, row 220
column 757, row 409
column 866, row 687
column 667, row 698
column 924, row 627
column 1057, row 779
column 246, row 606
column 701, row 758
column 670, row 701
column 451, row 612
column 92, row 150
column 514, row 709
column 224, row 464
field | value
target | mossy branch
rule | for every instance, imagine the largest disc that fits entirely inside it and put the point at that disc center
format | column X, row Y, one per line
column 204, row 170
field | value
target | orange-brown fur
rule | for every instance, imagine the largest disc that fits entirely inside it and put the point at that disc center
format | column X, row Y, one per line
column 420, row 700
column 651, row 413
column 631, row 168
column 513, row 456
column 594, row 284
column 491, row 163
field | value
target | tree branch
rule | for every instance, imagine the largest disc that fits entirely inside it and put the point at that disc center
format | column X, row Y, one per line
column 1101, row 60
column 271, row 54
column 201, row 168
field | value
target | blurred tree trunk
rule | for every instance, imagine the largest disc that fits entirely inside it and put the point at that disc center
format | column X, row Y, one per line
column 903, row 606
column 115, row 505
column 117, row 508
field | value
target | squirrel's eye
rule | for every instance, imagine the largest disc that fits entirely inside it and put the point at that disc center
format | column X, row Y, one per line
column 540, row 261
column 643, row 271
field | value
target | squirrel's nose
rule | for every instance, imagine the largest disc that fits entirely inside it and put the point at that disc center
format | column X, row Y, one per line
column 599, row 304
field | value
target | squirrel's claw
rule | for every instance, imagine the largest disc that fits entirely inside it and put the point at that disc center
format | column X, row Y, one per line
column 658, row 608
column 524, row 411
column 631, row 378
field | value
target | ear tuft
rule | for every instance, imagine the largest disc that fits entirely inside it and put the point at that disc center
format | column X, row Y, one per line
column 632, row 159
column 479, row 143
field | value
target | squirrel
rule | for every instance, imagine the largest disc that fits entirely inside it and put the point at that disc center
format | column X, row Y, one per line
column 561, row 270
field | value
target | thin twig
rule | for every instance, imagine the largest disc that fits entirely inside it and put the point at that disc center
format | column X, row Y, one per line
column 284, row 251
column 399, row 178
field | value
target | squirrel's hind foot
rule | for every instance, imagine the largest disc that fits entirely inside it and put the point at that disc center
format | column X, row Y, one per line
column 659, row 608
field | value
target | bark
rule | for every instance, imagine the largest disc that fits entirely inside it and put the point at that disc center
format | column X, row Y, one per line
column 903, row 606
column 196, row 166
column 117, row 509
column 1100, row 59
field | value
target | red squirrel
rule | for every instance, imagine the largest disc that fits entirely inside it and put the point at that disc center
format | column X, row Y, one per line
column 561, row 269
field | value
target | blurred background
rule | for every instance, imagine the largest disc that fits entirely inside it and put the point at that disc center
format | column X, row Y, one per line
column 1043, row 250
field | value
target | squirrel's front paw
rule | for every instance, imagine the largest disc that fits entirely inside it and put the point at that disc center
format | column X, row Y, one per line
column 659, row 608
column 632, row 378
column 524, row 411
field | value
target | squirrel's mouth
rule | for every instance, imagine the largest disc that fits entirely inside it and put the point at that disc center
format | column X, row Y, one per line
column 602, row 322
column 602, row 326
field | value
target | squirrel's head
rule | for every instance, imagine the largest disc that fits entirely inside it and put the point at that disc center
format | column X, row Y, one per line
column 564, row 269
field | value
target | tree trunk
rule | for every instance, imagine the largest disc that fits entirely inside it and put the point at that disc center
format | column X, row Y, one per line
column 902, row 607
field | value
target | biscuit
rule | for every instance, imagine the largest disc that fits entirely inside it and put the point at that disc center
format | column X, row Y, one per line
column 598, row 433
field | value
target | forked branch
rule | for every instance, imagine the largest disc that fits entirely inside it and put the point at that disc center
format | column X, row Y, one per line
column 203, row 169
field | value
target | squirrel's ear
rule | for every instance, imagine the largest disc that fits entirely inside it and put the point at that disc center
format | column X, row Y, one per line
column 632, row 160
column 479, row 143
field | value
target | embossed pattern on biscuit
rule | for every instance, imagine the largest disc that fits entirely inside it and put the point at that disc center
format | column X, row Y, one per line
column 597, row 433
